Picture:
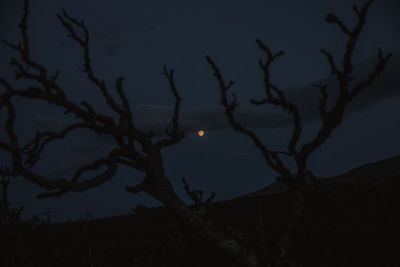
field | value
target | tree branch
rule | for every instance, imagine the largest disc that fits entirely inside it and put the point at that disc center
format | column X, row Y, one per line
column 197, row 197
column 175, row 136
column 271, row 157
column 67, row 22
column 33, row 149
column 333, row 117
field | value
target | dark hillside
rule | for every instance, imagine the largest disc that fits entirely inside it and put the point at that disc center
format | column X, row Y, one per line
column 350, row 220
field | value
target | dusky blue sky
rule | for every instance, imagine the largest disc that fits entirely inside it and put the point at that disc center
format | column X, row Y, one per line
column 135, row 38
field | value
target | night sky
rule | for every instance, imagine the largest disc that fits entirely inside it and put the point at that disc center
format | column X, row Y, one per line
column 135, row 38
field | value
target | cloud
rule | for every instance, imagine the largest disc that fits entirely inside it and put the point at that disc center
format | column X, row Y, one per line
column 155, row 118
column 386, row 86
column 114, row 36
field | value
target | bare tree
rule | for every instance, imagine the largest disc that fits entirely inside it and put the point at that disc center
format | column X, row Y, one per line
column 331, row 118
column 135, row 148
column 139, row 149
column 199, row 204
column 6, row 176
column 8, row 213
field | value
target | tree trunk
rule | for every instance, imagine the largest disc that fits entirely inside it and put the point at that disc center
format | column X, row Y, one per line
column 159, row 186
column 285, row 241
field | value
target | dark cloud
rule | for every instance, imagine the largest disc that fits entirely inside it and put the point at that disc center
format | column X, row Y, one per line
column 114, row 36
column 386, row 86
column 155, row 118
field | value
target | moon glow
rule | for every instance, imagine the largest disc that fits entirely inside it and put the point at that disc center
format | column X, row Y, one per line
column 200, row 133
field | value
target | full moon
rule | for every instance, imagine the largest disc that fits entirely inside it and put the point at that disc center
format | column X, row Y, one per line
column 200, row 133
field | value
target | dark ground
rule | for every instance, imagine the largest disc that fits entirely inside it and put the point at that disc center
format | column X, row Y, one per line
column 350, row 220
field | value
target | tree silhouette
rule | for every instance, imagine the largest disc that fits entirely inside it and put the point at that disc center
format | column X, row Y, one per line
column 135, row 148
column 140, row 150
column 331, row 118
column 8, row 213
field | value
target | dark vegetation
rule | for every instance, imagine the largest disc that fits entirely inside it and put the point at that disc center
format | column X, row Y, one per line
column 9, row 213
column 350, row 220
column 318, row 224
